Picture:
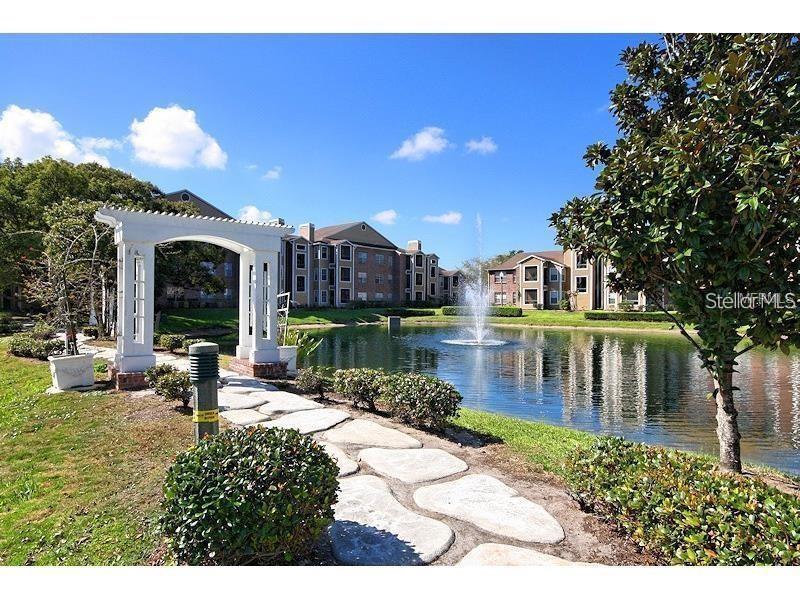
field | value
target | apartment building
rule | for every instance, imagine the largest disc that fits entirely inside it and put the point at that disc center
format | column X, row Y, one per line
column 353, row 262
column 542, row 279
column 452, row 287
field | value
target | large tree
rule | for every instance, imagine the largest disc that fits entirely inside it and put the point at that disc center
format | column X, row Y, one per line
column 699, row 199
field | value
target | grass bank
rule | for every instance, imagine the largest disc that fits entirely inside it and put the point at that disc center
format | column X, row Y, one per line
column 80, row 479
column 192, row 319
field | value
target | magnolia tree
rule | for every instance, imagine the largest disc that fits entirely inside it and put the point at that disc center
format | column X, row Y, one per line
column 698, row 202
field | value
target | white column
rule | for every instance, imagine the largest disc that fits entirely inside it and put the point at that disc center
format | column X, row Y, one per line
column 272, row 288
column 265, row 301
column 135, row 307
column 245, row 306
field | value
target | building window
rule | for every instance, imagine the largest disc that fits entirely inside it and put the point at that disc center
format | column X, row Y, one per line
column 344, row 252
column 581, row 261
column 408, row 264
column 323, row 296
column 500, row 277
column 344, row 274
column 581, row 284
column 378, row 295
column 362, row 258
column 532, row 273
column 455, row 281
column 389, row 277
column 553, row 274
column 389, row 296
column 419, row 279
column 500, row 298
column 532, row 296
column 408, row 281
column 301, row 261
column 433, row 289
column 362, row 296
column 612, row 298
column 433, row 271
column 379, row 278
column 445, row 284
column 391, row 260
column 344, row 295
column 418, row 296
column 380, row 259
column 553, row 297
column 323, row 252
column 418, row 260
column 323, row 274
column 362, row 278
column 301, row 247
column 632, row 297
column 332, row 275
column 301, row 283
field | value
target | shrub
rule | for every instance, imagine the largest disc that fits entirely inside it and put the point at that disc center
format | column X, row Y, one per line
column 492, row 311
column 171, row 341
column 254, row 495
column 361, row 386
column 420, row 399
column 152, row 374
column 409, row 312
column 676, row 505
column 42, row 331
column 565, row 304
column 625, row 305
column 8, row 324
column 618, row 315
column 25, row 344
column 314, row 380
column 189, row 341
column 174, row 387
column 91, row 332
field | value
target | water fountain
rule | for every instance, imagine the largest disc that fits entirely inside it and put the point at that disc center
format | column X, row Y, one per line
column 477, row 305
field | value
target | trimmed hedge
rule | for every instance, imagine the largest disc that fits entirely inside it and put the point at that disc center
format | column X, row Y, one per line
column 248, row 496
column 409, row 312
column 420, row 399
column 29, row 346
column 619, row 315
column 677, row 506
column 314, row 380
column 171, row 341
column 493, row 311
column 189, row 341
column 174, row 387
column 361, row 386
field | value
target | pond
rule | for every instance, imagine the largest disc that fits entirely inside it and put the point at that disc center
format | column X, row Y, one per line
column 647, row 387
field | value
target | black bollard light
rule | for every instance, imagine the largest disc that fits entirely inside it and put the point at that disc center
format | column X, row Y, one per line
column 203, row 373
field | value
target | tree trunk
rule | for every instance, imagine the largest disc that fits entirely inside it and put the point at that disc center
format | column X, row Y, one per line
column 727, row 427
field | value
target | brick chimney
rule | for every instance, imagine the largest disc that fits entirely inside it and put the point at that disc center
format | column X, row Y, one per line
column 307, row 232
column 414, row 246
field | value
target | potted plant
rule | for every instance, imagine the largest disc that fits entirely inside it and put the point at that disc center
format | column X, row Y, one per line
column 297, row 344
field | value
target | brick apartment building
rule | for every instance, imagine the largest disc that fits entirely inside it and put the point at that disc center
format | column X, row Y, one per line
column 542, row 279
column 353, row 262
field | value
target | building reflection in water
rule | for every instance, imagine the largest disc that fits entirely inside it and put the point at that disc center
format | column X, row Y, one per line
column 647, row 387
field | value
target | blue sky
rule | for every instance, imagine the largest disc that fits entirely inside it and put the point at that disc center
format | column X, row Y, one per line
column 325, row 115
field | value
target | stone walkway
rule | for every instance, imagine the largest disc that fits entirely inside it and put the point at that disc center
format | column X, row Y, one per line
column 401, row 502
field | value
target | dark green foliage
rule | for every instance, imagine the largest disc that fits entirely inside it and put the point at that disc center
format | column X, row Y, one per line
column 408, row 312
column 91, row 332
column 152, row 374
column 254, row 495
column 42, row 330
column 315, row 380
column 420, row 399
column 361, row 386
column 171, row 341
column 174, row 387
column 189, row 341
column 8, row 324
column 493, row 311
column 29, row 346
column 607, row 315
column 677, row 506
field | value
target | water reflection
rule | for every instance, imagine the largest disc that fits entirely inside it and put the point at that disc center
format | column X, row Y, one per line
column 647, row 387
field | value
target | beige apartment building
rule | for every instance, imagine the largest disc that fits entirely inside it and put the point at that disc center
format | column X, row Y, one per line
column 542, row 279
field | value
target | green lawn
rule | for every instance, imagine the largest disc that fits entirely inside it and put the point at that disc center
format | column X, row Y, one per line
column 80, row 477
column 188, row 319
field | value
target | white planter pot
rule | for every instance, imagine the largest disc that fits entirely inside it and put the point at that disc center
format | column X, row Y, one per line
column 288, row 354
column 72, row 371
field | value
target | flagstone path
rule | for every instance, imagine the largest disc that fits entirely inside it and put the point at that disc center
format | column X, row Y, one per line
column 400, row 501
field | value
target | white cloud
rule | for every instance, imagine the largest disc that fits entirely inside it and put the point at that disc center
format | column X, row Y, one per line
column 386, row 217
column 429, row 140
column 253, row 213
column 251, row 167
column 171, row 137
column 274, row 173
column 448, row 218
column 485, row 145
column 32, row 134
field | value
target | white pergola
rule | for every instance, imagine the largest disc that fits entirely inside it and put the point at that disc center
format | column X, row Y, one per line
column 136, row 234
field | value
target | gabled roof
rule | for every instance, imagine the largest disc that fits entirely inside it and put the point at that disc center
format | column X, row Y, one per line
column 449, row 272
column 360, row 233
column 556, row 256
column 205, row 208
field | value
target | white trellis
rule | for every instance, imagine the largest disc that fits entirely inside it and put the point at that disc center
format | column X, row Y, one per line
column 136, row 234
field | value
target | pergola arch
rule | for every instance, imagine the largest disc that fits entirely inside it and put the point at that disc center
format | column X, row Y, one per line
column 136, row 234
